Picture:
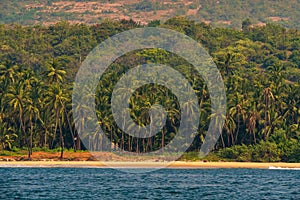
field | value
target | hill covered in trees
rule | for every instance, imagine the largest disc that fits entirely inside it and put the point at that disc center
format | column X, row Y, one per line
column 224, row 13
column 260, row 67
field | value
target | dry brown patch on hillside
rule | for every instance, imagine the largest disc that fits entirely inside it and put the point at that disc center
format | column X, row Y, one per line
column 224, row 22
column 277, row 19
column 193, row 11
column 34, row 6
column 260, row 24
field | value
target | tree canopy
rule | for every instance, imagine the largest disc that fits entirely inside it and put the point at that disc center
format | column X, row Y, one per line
column 260, row 67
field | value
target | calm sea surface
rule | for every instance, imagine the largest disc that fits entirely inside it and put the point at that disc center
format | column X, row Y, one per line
column 88, row 183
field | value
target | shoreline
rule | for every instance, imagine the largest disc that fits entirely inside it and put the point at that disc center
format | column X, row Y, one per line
column 176, row 164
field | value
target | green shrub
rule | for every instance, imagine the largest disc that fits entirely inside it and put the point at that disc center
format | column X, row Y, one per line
column 16, row 149
column 236, row 153
column 292, row 151
column 266, row 152
column 192, row 156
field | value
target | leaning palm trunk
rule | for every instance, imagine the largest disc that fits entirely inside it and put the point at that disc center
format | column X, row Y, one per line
column 61, row 140
column 71, row 130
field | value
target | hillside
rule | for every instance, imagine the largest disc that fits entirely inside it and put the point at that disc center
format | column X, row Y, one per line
column 225, row 13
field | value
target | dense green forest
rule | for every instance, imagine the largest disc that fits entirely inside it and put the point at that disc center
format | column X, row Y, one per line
column 225, row 13
column 260, row 67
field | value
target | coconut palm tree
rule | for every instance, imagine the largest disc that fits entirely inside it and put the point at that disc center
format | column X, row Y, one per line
column 17, row 98
column 7, row 136
column 252, row 122
column 31, row 112
column 55, row 100
column 54, row 72
column 268, row 99
column 8, row 73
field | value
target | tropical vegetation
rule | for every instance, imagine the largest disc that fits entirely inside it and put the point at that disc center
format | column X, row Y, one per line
column 260, row 67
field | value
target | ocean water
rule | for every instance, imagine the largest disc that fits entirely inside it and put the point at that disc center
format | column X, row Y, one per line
column 103, row 183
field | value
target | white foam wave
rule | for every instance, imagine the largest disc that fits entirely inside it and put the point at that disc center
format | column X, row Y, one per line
column 283, row 168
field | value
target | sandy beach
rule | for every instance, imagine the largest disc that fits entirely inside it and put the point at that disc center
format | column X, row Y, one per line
column 176, row 164
column 110, row 160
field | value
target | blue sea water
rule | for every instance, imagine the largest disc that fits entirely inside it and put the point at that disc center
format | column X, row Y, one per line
column 103, row 183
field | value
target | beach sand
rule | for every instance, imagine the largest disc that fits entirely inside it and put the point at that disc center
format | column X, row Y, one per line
column 176, row 164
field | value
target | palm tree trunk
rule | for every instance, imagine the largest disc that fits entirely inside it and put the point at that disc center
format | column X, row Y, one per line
column 149, row 144
column 266, row 124
column 222, row 140
column 45, row 139
column 30, row 138
column 55, row 129
column 143, row 144
column 162, row 140
column 71, row 130
column 232, row 139
column 129, row 144
column 122, row 142
column 78, row 143
column 137, row 145
column 238, row 129
column 100, row 143
column 228, row 139
column 62, row 144
column 22, row 126
column 111, row 141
